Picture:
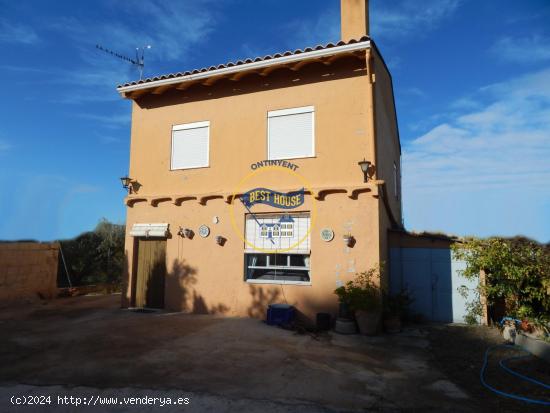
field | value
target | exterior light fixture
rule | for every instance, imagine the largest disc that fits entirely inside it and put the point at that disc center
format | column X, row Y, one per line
column 126, row 182
column 186, row 232
column 220, row 240
column 365, row 165
column 348, row 239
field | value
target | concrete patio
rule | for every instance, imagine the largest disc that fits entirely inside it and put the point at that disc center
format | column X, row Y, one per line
column 88, row 345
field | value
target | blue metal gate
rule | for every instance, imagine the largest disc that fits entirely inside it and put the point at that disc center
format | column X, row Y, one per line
column 432, row 277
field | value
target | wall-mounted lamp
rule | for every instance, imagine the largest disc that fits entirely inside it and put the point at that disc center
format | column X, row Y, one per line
column 348, row 240
column 220, row 240
column 186, row 232
column 126, row 182
column 130, row 184
column 365, row 165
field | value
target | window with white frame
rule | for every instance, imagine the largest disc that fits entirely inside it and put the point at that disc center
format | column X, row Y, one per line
column 277, row 268
column 272, row 233
column 291, row 133
column 190, row 145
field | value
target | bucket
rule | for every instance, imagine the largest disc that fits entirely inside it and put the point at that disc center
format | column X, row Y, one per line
column 280, row 314
column 323, row 321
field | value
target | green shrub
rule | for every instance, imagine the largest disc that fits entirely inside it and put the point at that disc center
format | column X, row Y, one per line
column 94, row 257
column 517, row 271
column 362, row 293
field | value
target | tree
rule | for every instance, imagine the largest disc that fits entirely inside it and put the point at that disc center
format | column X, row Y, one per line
column 96, row 256
column 517, row 271
column 110, row 251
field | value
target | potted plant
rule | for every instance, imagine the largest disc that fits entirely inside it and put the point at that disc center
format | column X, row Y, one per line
column 525, row 314
column 362, row 297
column 395, row 306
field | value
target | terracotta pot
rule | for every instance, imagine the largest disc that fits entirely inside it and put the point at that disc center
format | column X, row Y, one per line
column 526, row 326
column 367, row 321
column 392, row 324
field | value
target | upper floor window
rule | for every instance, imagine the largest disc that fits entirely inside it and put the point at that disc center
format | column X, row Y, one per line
column 190, row 145
column 291, row 133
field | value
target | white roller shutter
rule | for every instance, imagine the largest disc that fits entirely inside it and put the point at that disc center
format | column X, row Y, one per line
column 291, row 133
column 190, row 145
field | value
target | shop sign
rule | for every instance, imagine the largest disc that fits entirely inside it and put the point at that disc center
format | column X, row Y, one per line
column 275, row 199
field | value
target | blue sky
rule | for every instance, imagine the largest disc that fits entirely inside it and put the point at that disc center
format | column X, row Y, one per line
column 471, row 78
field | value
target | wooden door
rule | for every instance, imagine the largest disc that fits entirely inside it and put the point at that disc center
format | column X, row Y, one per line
column 150, row 273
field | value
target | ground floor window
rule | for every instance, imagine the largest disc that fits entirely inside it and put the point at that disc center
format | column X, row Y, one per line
column 277, row 248
column 277, row 267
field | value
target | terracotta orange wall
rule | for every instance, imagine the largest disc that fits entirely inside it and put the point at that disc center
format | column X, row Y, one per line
column 205, row 277
column 238, row 128
column 388, row 147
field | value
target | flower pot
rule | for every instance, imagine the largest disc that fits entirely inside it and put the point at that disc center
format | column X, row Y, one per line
column 367, row 321
column 526, row 326
column 344, row 311
column 392, row 324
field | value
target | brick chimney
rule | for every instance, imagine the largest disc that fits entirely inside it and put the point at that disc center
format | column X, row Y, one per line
column 354, row 19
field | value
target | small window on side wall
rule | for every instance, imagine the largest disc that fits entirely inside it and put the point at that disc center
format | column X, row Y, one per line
column 395, row 182
column 190, row 146
column 291, row 133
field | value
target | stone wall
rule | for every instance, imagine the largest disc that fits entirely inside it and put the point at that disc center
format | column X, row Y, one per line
column 28, row 271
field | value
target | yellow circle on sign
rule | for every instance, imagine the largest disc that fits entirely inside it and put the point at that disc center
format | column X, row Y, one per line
column 306, row 186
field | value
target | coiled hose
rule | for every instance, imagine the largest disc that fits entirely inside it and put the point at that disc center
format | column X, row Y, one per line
column 514, row 373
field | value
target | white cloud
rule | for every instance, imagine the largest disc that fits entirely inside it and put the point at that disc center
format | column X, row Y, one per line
column 465, row 103
column 109, row 139
column 173, row 29
column 321, row 29
column 531, row 49
column 500, row 151
column 387, row 19
column 414, row 92
column 111, row 121
column 407, row 17
column 507, row 139
column 17, row 33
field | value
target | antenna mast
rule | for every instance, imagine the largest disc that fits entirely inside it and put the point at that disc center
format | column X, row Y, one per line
column 139, row 61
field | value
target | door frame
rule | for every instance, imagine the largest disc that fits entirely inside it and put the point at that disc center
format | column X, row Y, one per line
column 135, row 256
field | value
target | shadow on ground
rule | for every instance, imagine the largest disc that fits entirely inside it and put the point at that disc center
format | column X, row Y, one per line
column 90, row 341
column 458, row 352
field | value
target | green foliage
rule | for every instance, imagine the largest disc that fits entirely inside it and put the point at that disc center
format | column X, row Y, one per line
column 96, row 256
column 517, row 270
column 397, row 304
column 362, row 293
column 474, row 310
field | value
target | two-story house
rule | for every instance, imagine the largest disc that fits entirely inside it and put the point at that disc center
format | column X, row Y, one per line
column 273, row 179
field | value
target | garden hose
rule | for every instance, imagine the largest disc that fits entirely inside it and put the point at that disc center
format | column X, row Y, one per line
column 509, row 370
column 521, row 376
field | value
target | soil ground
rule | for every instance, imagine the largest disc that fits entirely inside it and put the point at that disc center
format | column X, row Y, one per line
column 459, row 350
column 89, row 347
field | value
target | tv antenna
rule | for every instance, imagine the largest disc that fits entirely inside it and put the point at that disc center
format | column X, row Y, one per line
column 139, row 61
